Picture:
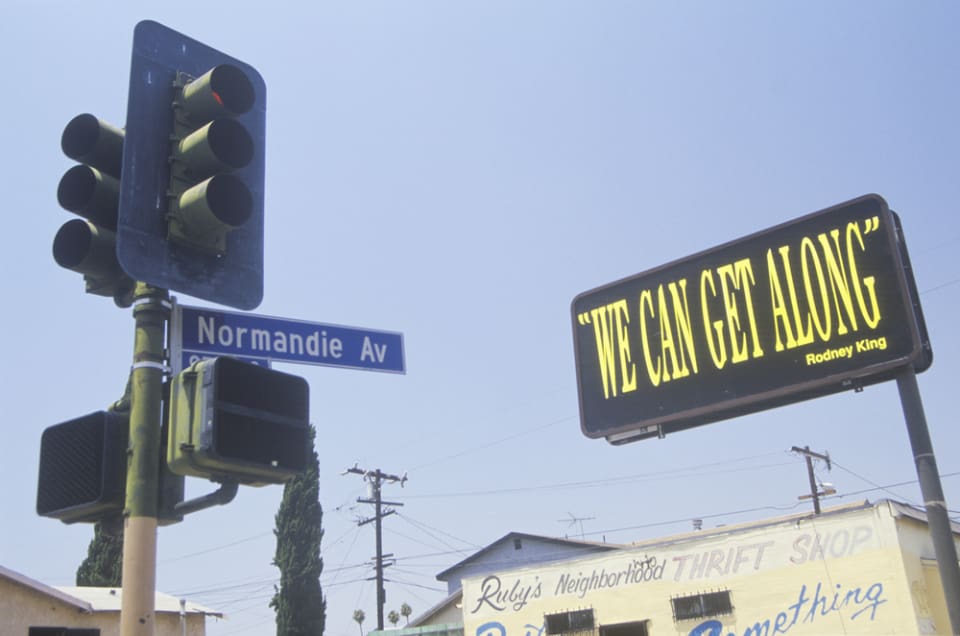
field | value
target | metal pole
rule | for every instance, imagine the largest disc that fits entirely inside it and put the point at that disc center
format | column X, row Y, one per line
column 183, row 617
column 151, row 308
column 940, row 531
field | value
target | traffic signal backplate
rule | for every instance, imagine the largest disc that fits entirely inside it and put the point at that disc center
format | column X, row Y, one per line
column 234, row 278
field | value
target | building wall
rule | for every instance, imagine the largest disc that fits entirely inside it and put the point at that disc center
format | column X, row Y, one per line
column 931, row 597
column 922, row 572
column 22, row 607
column 450, row 614
column 841, row 573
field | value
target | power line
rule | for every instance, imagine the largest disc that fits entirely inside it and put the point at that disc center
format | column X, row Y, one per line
column 878, row 487
column 564, row 485
column 216, row 548
column 508, row 438
column 941, row 286
column 430, row 530
column 657, row 476
column 246, row 596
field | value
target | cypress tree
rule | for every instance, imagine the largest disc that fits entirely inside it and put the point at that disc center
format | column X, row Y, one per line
column 103, row 566
column 298, row 601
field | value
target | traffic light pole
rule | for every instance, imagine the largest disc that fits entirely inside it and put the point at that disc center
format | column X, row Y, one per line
column 151, row 309
column 205, row 139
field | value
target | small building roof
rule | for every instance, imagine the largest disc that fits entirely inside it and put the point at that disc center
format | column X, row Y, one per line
column 424, row 618
column 908, row 510
column 108, row 599
column 509, row 537
column 42, row 588
column 100, row 599
column 896, row 508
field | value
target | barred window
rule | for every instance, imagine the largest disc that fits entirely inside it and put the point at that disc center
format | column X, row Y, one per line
column 635, row 628
column 567, row 622
column 701, row 605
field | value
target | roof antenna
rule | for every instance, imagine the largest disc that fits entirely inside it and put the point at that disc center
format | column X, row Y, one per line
column 575, row 520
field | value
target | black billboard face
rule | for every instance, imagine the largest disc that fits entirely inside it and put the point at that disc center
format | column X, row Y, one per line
column 807, row 308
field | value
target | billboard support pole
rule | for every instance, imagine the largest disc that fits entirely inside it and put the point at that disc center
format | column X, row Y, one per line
column 930, row 487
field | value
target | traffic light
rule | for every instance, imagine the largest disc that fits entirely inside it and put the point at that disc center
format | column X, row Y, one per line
column 83, row 468
column 92, row 190
column 191, row 198
column 232, row 420
column 206, row 200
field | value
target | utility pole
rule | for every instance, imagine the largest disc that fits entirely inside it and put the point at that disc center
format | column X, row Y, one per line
column 375, row 479
column 815, row 493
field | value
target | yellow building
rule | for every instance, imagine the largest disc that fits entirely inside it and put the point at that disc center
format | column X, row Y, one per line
column 31, row 608
column 858, row 569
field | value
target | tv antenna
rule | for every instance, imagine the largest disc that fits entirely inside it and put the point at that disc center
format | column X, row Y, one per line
column 573, row 520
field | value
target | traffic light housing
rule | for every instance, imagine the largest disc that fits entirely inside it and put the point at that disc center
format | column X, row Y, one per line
column 206, row 200
column 83, row 468
column 191, row 198
column 92, row 190
column 232, row 420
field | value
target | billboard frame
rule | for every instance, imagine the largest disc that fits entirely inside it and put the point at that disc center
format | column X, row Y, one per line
column 611, row 417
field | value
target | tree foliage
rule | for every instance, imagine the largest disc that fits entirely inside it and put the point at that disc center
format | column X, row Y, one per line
column 103, row 566
column 298, row 601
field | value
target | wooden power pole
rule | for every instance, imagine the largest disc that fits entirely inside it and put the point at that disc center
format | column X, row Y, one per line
column 375, row 479
column 815, row 493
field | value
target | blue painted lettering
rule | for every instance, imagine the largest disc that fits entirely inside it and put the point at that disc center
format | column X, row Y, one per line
column 494, row 628
column 808, row 607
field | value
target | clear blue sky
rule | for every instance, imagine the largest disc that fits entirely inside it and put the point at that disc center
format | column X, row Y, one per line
column 458, row 172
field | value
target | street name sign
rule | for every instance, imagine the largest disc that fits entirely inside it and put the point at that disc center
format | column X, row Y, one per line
column 200, row 332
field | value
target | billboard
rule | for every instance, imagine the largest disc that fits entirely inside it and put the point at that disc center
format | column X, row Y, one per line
column 814, row 306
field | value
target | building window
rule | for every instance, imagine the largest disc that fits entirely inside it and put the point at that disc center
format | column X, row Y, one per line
column 569, row 622
column 517, row 543
column 701, row 605
column 636, row 628
column 63, row 631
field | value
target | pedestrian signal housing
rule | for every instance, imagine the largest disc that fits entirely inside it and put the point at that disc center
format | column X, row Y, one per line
column 83, row 468
column 231, row 420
